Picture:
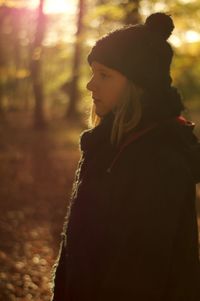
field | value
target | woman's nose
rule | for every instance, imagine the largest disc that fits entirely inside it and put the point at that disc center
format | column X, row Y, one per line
column 90, row 85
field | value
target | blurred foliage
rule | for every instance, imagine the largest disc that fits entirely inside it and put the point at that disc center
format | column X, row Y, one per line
column 17, row 22
column 185, row 73
column 37, row 167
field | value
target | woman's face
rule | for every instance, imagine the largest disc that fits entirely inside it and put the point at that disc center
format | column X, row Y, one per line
column 107, row 86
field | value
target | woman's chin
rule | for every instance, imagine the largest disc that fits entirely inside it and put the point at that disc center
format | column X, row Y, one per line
column 99, row 112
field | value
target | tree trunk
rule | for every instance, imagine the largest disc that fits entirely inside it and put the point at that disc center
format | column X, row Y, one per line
column 16, row 97
column 36, row 69
column 133, row 12
column 74, row 93
column 3, row 12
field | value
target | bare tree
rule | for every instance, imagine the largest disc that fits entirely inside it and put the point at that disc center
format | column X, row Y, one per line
column 3, row 13
column 73, row 91
column 132, row 15
column 36, row 68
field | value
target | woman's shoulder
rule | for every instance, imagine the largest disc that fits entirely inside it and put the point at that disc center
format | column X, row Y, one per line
column 178, row 148
column 161, row 150
column 168, row 160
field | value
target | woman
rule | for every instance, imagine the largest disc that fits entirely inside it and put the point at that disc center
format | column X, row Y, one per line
column 131, row 227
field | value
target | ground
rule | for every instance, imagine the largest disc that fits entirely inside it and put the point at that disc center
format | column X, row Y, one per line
column 36, row 170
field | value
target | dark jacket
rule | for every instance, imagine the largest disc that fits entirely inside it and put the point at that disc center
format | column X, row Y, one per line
column 131, row 226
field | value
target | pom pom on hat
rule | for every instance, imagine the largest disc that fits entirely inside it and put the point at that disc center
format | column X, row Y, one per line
column 161, row 24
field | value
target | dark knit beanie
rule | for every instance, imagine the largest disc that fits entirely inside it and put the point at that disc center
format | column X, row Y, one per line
column 141, row 52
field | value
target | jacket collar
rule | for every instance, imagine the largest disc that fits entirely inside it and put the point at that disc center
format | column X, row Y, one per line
column 92, row 138
column 178, row 130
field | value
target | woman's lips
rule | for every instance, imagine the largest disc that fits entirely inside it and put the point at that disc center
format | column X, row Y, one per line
column 96, row 100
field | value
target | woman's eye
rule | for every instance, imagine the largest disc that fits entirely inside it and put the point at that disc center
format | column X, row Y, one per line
column 103, row 74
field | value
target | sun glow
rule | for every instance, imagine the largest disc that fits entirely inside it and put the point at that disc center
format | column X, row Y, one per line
column 59, row 6
column 192, row 36
column 56, row 6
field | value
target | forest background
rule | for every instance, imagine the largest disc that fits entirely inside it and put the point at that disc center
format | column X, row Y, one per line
column 44, row 106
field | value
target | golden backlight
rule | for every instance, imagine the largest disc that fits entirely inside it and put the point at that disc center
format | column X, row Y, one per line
column 56, row 7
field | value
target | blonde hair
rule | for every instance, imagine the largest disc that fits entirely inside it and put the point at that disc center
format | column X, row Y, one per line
column 128, row 113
